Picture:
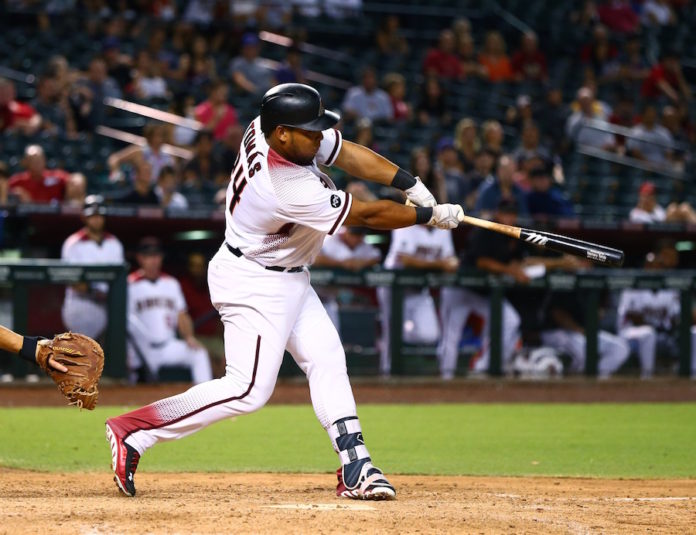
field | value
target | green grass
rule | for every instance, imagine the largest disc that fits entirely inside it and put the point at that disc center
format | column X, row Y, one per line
column 596, row 440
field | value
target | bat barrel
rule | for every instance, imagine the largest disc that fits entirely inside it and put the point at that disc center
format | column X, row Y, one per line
column 599, row 254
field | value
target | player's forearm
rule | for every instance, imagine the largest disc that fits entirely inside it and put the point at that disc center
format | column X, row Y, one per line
column 10, row 341
column 185, row 325
column 384, row 215
column 419, row 263
column 364, row 163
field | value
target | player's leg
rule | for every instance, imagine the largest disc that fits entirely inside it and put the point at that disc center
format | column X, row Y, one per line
column 454, row 311
column 384, row 300
column 644, row 338
column 179, row 353
column 317, row 349
column 510, row 332
column 613, row 352
column 84, row 316
column 570, row 343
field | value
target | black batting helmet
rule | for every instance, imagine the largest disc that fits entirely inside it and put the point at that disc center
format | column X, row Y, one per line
column 295, row 105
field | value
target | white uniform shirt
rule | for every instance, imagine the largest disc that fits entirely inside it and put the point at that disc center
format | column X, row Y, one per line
column 277, row 212
column 155, row 304
column 426, row 243
column 78, row 248
column 335, row 248
column 659, row 308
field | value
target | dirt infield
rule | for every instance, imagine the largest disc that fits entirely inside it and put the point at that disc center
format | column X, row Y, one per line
column 398, row 391
column 297, row 503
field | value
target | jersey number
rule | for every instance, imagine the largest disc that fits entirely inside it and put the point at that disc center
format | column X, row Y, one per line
column 238, row 184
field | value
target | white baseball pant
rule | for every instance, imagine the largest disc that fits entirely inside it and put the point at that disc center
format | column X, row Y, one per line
column 613, row 350
column 645, row 338
column 264, row 312
column 84, row 316
column 173, row 352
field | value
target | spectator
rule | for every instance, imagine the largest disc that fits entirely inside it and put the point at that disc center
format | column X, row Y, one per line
column 600, row 55
column 494, row 59
column 198, row 66
column 448, row 165
column 658, row 13
column 142, row 192
column 291, row 71
column 423, row 248
column 580, row 132
column 118, row 66
column 152, row 152
column 652, row 142
column 671, row 120
column 647, row 210
column 38, row 184
column 632, row 68
column 484, row 165
column 544, row 199
column 500, row 188
column 468, row 60
column 432, row 106
column 649, row 319
column 75, row 190
column 520, row 114
column 15, row 115
column 619, row 16
column 666, row 78
column 395, row 84
column 156, row 311
column 623, row 115
column 54, row 111
column 87, row 98
column 529, row 63
column 466, row 142
column 492, row 136
column 84, row 308
column 364, row 135
column 148, row 82
column 552, row 120
column 216, row 113
column 203, row 167
column 226, row 152
column 184, row 134
column 461, row 28
column 165, row 190
column 389, row 38
column 530, row 145
column 367, row 100
column 248, row 71
column 422, row 167
column 4, row 178
column 442, row 61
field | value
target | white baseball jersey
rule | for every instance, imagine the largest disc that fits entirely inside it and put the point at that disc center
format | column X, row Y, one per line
column 78, row 248
column 427, row 243
column 278, row 212
column 659, row 309
column 334, row 247
column 155, row 304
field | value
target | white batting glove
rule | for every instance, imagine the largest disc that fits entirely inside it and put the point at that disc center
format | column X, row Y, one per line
column 419, row 195
column 446, row 216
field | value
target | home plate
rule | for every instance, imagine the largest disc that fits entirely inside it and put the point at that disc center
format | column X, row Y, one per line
column 323, row 506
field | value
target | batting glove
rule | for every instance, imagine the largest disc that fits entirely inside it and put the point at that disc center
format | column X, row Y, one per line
column 446, row 216
column 419, row 195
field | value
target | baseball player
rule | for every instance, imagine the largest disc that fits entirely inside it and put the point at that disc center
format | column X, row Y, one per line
column 84, row 308
column 280, row 207
column 414, row 248
column 649, row 318
column 156, row 308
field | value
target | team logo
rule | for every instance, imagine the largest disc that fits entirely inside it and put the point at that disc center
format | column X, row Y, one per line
column 335, row 201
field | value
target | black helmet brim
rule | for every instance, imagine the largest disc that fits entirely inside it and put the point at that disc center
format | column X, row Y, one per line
column 326, row 120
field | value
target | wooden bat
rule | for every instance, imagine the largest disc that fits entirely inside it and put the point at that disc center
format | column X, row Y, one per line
column 555, row 242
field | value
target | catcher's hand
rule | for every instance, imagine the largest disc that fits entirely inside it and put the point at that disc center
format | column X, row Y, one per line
column 83, row 361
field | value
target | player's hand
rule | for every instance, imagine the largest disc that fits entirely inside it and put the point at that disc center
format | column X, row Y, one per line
column 450, row 264
column 419, row 195
column 51, row 361
column 193, row 343
column 446, row 216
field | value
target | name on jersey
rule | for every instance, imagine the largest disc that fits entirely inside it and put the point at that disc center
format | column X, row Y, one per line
column 249, row 146
column 154, row 302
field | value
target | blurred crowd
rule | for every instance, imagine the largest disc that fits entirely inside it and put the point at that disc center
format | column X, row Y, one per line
column 206, row 62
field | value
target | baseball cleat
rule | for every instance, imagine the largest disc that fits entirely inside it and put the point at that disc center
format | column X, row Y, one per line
column 371, row 485
column 124, row 461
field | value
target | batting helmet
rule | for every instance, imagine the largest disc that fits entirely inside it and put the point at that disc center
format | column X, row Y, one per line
column 295, row 105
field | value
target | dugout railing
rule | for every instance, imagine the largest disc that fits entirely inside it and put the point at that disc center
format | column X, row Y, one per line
column 21, row 275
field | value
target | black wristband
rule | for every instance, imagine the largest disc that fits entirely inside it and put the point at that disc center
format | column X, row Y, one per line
column 423, row 214
column 28, row 351
column 403, row 180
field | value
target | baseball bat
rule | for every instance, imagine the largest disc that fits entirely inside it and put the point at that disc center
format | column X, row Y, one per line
column 555, row 242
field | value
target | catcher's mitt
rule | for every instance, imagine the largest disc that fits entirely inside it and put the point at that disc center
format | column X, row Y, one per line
column 84, row 359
